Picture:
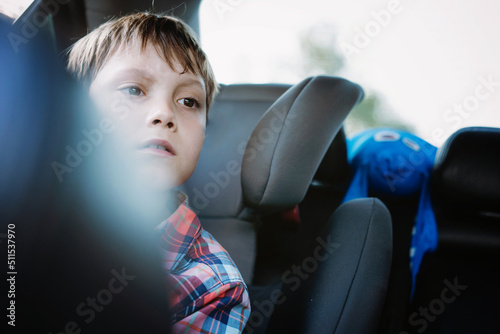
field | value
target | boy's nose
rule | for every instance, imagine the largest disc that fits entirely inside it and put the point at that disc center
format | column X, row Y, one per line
column 162, row 117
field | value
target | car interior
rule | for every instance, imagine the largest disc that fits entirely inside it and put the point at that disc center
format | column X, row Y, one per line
column 269, row 186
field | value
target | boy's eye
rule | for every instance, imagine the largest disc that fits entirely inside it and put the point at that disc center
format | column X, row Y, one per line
column 189, row 102
column 134, row 91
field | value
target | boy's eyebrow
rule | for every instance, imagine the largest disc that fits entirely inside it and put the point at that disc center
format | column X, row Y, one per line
column 188, row 81
column 144, row 74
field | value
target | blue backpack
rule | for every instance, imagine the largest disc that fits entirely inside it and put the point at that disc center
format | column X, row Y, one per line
column 396, row 163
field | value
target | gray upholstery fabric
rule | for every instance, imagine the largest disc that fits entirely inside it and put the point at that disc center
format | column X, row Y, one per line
column 239, row 238
column 466, row 190
column 291, row 139
column 214, row 189
column 334, row 169
column 345, row 289
column 466, row 175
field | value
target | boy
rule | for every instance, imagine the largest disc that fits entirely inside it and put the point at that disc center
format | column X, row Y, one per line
column 148, row 73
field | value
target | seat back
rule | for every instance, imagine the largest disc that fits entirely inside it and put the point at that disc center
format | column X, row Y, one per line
column 235, row 183
column 466, row 200
column 214, row 190
column 466, row 191
column 283, row 156
column 340, row 287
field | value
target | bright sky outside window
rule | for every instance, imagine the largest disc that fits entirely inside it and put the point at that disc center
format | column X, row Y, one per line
column 420, row 62
column 14, row 8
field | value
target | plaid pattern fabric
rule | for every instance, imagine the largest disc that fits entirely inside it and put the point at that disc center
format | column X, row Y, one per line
column 209, row 295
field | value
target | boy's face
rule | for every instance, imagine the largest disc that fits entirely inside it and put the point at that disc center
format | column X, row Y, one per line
column 159, row 113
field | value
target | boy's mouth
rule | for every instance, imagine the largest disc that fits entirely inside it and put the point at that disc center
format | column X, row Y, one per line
column 158, row 146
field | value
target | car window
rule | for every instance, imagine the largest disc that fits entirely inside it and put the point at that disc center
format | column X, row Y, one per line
column 428, row 67
column 14, row 8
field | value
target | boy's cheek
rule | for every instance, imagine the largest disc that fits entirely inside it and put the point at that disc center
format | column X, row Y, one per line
column 120, row 116
column 117, row 108
column 109, row 101
column 199, row 135
column 198, row 147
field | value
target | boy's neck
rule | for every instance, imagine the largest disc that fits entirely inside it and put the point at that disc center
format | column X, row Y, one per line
column 171, row 200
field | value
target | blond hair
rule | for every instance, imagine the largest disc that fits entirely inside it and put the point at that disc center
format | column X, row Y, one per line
column 173, row 40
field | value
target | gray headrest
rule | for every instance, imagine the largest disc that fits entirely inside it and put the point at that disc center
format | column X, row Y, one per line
column 290, row 140
column 466, row 176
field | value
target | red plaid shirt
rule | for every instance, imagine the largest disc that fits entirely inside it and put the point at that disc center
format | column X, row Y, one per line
column 209, row 295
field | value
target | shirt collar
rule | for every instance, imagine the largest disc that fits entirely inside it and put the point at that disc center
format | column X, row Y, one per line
column 178, row 234
column 178, row 198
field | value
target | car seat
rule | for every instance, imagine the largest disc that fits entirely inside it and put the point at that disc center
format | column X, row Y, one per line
column 278, row 165
column 458, row 285
column 215, row 189
column 394, row 166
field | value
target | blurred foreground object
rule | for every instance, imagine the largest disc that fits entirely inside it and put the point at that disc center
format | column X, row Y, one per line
column 84, row 259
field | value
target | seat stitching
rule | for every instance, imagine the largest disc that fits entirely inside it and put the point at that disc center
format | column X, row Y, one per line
column 357, row 266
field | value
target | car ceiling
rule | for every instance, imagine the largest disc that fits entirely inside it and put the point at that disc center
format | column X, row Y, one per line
column 76, row 18
column 98, row 11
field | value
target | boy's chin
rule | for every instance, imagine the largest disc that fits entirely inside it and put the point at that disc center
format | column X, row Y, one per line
column 159, row 182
